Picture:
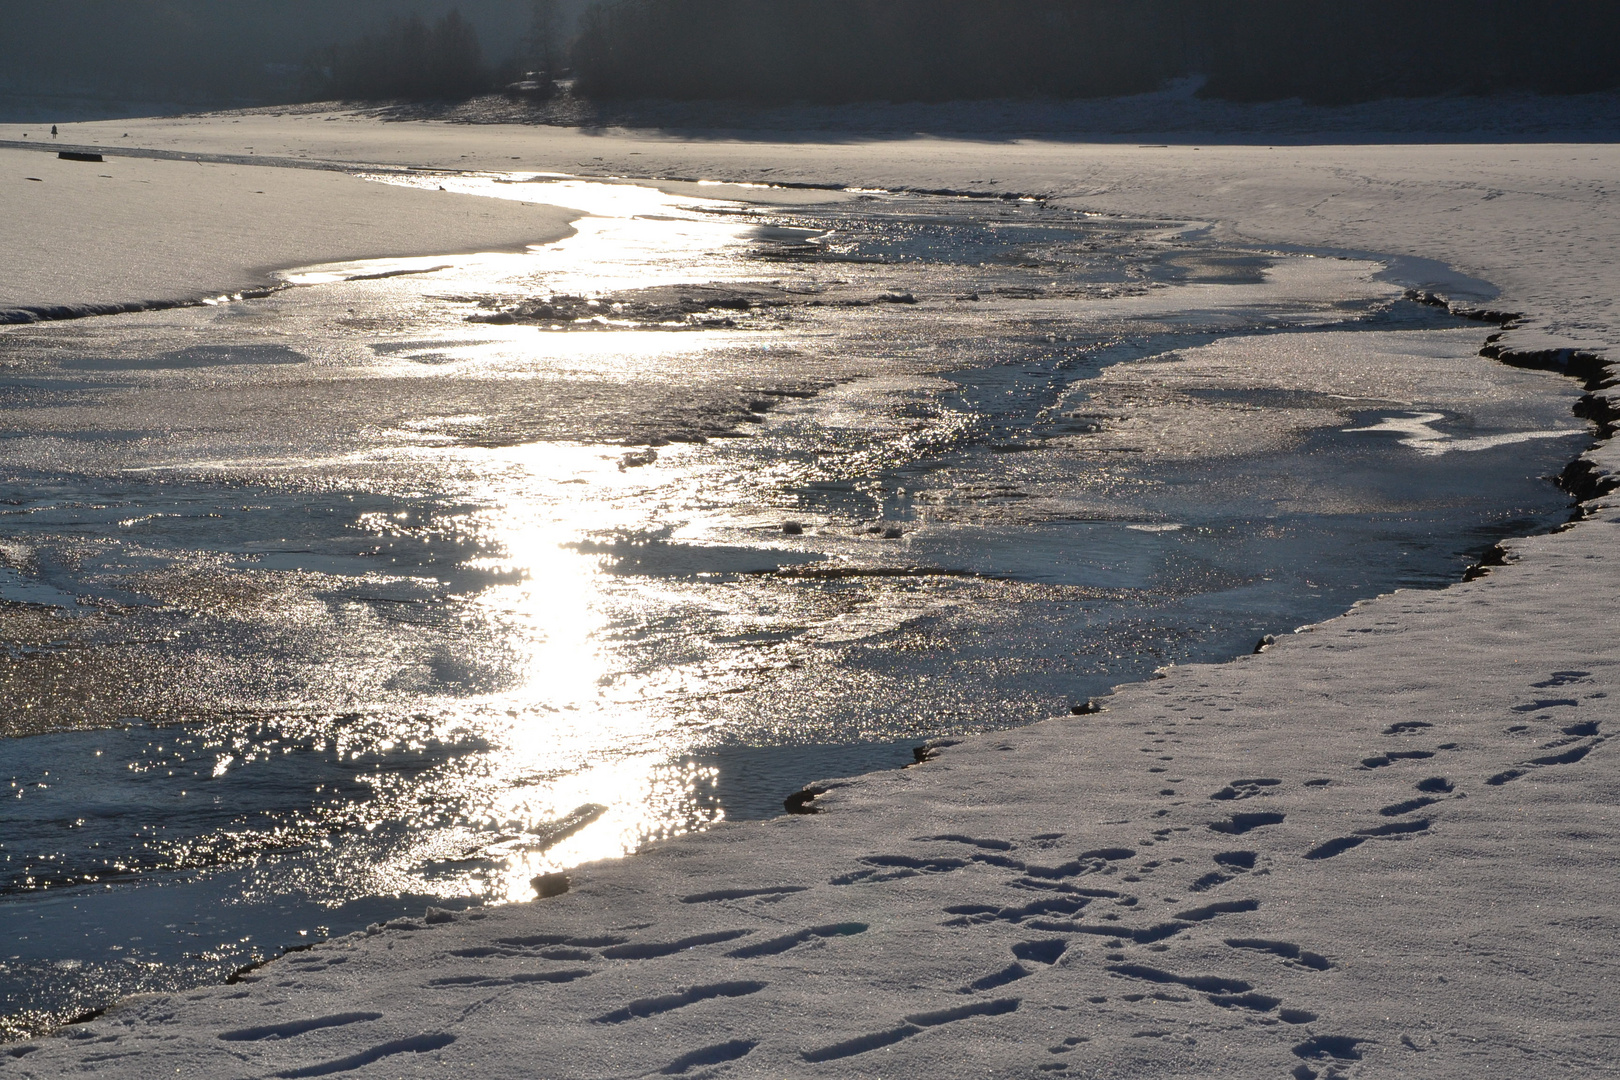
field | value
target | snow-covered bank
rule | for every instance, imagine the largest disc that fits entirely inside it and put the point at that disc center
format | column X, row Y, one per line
column 130, row 234
column 1384, row 845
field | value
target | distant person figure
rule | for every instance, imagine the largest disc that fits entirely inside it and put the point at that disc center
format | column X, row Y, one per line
column 53, row 131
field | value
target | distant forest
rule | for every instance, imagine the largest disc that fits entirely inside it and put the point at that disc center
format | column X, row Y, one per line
column 212, row 52
column 1325, row 51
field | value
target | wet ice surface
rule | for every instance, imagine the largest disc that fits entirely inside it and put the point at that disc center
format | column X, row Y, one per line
column 421, row 578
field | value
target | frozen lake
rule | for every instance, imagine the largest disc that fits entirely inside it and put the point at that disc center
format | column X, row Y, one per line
column 419, row 578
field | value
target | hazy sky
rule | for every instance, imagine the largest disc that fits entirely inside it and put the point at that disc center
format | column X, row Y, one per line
column 180, row 45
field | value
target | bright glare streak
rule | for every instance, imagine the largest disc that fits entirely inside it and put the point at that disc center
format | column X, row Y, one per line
column 600, row 198
column 544, row 771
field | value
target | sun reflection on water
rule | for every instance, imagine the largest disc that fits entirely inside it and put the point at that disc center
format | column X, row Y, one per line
column 576, row 768
column 607, row 251
column 577, row 756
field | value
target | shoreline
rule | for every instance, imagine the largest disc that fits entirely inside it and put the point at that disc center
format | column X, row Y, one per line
column 211, row 230
column 752, row 962
column 1177, row 111
column 31, row 314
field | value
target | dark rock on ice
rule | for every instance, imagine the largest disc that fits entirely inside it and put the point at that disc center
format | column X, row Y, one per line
column 803, row 801
column 549, row 885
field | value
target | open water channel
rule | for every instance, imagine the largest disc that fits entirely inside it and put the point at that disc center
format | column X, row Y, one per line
column 417, row 579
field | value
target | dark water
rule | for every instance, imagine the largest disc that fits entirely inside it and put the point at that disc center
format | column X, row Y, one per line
column 376, row 607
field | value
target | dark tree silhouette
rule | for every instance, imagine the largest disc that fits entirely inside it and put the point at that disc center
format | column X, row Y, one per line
column 544, row 44
column 410, row 59
column 1338, row 52
column 1320, row 50
column 211, row 52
